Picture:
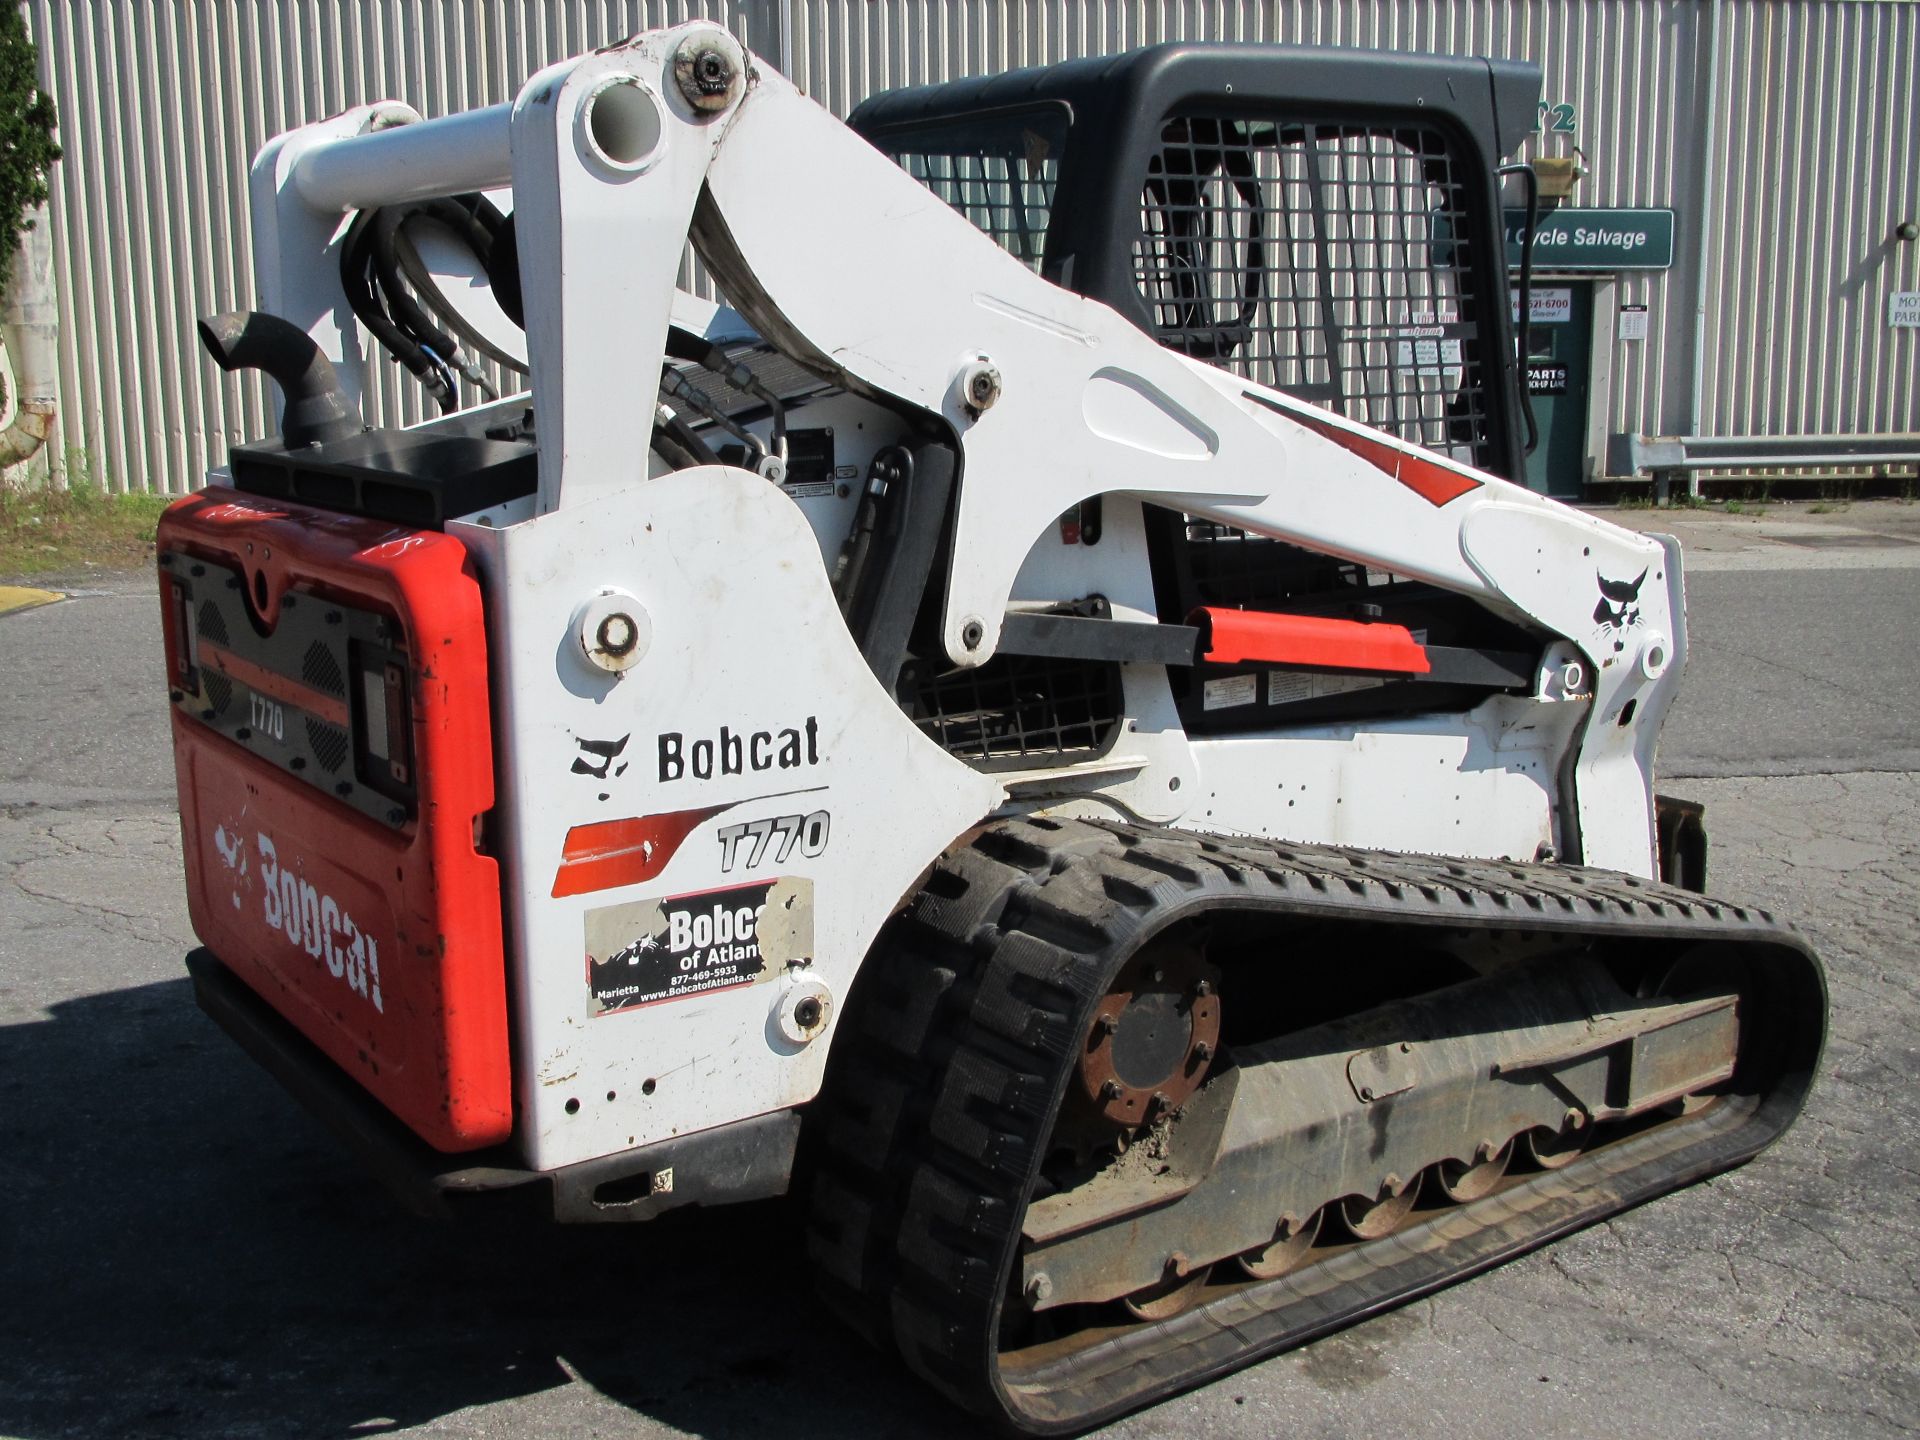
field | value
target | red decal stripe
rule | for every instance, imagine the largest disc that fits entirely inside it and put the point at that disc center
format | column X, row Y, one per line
column 1433, row 483
column 610, row 853
column 279, row 687
column 1233, row 636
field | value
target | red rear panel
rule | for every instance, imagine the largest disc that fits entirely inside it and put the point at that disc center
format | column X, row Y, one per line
column 334, row 757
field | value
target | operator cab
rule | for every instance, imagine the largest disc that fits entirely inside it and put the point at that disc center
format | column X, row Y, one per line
column 1319, row 221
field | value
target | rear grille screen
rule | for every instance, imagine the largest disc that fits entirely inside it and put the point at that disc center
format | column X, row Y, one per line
column 1329, row 262
column 1021, row 710
column 209, row 624
column 328, row 743
column 322, row 671
column 218, row 690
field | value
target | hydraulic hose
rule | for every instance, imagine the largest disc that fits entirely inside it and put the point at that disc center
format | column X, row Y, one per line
column 398, row 299
column 355, row 280
column 477, row 224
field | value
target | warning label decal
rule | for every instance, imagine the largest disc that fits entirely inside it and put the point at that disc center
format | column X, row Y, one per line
column 648, row 951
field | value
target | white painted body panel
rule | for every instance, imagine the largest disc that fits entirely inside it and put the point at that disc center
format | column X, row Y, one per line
column 1478, row 784
column 744, row 634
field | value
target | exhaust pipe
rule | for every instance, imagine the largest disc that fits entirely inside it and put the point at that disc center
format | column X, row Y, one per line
column 317, row 409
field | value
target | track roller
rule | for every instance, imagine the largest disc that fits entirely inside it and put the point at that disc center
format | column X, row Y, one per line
column 1378, row 1216
column 1554, row 1150
column 1461, row 1181
column 1291, row 1246
column 1178, row 1293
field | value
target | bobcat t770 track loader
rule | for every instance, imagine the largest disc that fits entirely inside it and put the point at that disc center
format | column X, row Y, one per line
column 1045, row 724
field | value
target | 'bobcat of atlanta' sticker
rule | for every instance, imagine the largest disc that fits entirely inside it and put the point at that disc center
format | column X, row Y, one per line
column 647, row 951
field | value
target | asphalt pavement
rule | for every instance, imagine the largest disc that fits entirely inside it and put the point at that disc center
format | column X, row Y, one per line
column 184, row 1253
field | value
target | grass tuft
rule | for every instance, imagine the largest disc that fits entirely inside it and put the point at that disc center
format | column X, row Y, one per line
column 49, row 532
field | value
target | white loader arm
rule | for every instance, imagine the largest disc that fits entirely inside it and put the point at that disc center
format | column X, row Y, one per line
column 847, row 264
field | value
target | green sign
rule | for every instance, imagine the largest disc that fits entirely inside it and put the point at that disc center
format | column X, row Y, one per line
column 1569, row 239
column 1561, row 119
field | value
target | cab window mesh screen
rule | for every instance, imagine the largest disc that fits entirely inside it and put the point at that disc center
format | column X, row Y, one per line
column 998, row 171
column 1326, row 261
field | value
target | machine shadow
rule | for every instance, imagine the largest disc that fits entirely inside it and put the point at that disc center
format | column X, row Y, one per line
column 185, row 1252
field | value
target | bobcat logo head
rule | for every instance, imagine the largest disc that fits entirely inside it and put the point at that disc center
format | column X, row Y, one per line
column 1619, row 605
column 633, row 952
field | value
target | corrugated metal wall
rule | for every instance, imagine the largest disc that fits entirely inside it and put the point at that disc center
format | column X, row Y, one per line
column 1819, row 157
column 163, row 103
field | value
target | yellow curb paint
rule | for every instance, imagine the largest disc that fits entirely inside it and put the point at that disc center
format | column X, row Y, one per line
column 24, row 597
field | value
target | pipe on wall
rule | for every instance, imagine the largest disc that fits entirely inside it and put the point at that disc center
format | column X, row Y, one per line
column 30, row 326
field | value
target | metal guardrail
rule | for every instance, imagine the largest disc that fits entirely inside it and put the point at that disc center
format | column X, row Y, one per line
column 1666, row 456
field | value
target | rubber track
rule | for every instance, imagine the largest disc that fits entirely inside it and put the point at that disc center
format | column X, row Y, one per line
column 955, row 1052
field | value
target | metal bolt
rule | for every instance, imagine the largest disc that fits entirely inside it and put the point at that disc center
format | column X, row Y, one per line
column 1405, row 1048
column 245, row 732
column 972, row 633
column 1202, row 989
column 1366, row 1092
column 704, row 70
column 1395, row 1184
column 806, row 1014
column 1162, row 1102
column 980, row 384
column 1040, row 1289
column 1111, row 1090
column 1178, row 1263
column 1203, row 1052
column 343, row 789
column 1575, row 1119
column 394, row 817
column 1107, row 1024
